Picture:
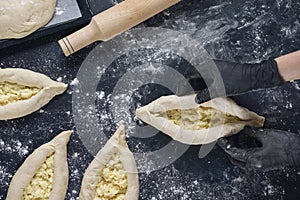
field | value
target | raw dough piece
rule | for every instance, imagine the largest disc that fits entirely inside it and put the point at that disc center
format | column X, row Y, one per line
column 19, row 18
column 23, row 92
column 44, row 174
column 112, row 175
column 191, row 123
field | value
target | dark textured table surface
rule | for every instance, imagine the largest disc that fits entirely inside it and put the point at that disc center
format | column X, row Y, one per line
column 242, row 31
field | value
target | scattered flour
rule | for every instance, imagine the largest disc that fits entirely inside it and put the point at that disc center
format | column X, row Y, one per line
column 59, row 79
column 59, row 11
column 296, row 84
column 74, row 82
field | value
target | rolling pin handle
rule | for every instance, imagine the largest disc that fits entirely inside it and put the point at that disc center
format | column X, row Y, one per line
column 80, row 39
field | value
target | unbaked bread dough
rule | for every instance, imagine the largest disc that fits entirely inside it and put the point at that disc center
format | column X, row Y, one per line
column 112, row 175
column 23, row 92
column 44, row 174
column 188, row 122
column 19, row 18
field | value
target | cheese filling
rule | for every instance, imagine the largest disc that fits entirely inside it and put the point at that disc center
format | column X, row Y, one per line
column 40, row 186
column 112, row 184
column 199, row 118
column 13, row 92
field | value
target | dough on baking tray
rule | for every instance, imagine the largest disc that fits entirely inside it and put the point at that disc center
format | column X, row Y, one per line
column 19, row 18
column 23, row 92
column 188, row 122
column 113, row 173
column 44, row 174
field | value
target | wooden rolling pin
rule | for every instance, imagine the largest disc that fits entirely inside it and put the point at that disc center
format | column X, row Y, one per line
column 113, row 21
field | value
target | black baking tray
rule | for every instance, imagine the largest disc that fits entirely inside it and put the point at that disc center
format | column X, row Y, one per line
column 88, row 8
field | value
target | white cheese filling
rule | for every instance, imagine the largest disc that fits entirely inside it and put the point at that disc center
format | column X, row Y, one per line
column 13, row 92
column 112, row 183
column 40, row 186
column 199, row 118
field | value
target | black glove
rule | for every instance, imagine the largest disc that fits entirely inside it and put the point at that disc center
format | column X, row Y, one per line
column 277, row 149
column 241, row 78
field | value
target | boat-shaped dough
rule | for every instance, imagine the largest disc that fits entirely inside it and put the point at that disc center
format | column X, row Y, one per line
column 112, row 175
column 23, row 92
column 188, row 122
column 44, row 174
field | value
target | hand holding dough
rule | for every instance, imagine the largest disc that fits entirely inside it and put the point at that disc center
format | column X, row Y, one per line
column 19, row 18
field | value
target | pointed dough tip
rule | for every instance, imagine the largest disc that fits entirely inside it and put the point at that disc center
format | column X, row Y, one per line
column 120, row 136
column 63, row 136
column 139, row 112
column 121, row 132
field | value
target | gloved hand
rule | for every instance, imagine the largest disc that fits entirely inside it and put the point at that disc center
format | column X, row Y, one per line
column 241, row 78
column 278, row 149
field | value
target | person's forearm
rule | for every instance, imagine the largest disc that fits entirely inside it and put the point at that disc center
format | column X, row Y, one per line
column 289, row 66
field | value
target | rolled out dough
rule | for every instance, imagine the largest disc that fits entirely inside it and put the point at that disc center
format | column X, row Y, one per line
column 19, row 18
